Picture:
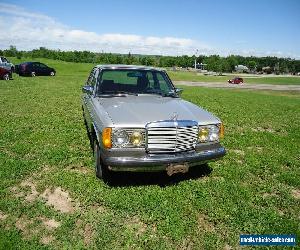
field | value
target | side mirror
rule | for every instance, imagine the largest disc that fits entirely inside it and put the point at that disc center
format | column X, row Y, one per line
column 88, row 89
column 178, row 91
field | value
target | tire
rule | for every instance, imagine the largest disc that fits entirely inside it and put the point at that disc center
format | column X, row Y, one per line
column 32, row 74
column 101, row 170
column 6, row 77
column 52, row 73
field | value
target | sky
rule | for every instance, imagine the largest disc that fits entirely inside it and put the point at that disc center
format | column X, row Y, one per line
column 160, row 27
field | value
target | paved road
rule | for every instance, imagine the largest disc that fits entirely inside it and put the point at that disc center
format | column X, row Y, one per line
column 240, row 86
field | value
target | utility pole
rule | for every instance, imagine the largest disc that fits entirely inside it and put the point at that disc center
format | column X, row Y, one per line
column 195, row 64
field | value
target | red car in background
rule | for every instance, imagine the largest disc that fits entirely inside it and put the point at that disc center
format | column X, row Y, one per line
column 5, row 74
column 236, row 80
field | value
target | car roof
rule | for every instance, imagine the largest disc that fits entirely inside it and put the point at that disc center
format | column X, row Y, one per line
column 124, row 66
column 29, row 62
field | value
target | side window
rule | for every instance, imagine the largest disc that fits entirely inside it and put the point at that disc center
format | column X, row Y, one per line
column 95, row 77
column 91, row 76
column 41, row 65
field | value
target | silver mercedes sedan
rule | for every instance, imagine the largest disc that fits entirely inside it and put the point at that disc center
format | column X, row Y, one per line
column 136, row 121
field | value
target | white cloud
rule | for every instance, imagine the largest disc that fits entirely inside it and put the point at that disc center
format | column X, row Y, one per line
column 28, row 30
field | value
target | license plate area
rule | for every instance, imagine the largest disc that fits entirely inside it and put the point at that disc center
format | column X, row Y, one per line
column 177, row 168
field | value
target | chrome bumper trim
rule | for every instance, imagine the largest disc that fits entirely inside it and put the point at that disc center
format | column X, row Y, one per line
column 159, row 162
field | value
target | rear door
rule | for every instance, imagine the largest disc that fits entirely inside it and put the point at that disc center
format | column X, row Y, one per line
column 36, row 68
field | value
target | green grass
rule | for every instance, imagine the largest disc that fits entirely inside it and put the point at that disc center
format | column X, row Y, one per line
column 254, row 189
column 181, row 75
column 194, row 77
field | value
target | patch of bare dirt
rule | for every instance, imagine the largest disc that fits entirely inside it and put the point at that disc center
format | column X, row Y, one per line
column 24, row 225
column 237, row 151
column 88, row 234
column 46, row 240
column 296, row 193
column 135, row 224
column 267, row 195
column 258, row 149
column 99, row 208
column 204, row 224
column 58, row 199
column 86, row 231
column 17, row 192
column 263, row 129
column 217, row 178
column 80, row 169
column 33, row 194
column 3, row 216
column 187, row 244
column 212, row 178
column 50, row 223
column 227, row 247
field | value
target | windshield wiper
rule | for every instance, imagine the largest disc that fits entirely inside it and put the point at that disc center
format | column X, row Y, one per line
column 152, row 91
column 116, row 93
column 168, row 94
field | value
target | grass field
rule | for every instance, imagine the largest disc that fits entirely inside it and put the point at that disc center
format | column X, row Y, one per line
column 193, row 77
column 50, row 197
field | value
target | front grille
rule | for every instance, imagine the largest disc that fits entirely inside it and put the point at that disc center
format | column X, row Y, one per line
column 171, row 136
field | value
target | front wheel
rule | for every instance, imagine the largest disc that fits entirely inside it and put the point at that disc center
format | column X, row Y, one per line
column 101, row 170
column 6, row 77
column 52, row 73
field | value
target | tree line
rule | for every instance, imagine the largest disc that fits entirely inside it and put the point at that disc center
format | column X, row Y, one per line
column 213, row 62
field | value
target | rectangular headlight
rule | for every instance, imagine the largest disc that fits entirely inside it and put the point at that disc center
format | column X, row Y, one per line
column 208, row 133
column 128, row 138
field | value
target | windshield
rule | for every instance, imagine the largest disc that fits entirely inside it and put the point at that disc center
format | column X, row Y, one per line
column 132, row 81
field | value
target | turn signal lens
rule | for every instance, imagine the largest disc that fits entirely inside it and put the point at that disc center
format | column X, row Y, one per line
column 221, row 133
column 106, row 137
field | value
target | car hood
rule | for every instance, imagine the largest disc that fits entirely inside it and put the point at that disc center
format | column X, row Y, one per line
column 137, row 111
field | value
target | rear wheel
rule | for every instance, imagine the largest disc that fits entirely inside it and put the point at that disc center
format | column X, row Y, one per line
column 6, row 77
column 32, row 74
column 101, row 169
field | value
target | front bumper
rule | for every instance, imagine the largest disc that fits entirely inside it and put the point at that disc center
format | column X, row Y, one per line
column 160, row 162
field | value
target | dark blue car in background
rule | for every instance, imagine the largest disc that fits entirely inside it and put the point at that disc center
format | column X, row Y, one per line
column 34, row 69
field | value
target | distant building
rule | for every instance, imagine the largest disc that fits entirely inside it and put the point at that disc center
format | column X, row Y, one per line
column 201, row 66
column 241, row 69
column 267, row 70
